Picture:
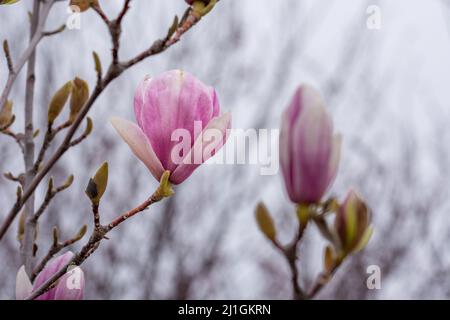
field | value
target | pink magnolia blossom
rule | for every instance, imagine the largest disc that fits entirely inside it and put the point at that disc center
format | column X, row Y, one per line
column 69, row 287
column 174, row 100
column 309, row 152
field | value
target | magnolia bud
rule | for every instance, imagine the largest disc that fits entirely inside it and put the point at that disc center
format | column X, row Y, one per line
column 352, row 224
column 8, row 1
column 309, row 151
column 84, row 4
column 265, row 222
column 58, row 101
column 80, row 94
column 97, row 184
column 6, row 115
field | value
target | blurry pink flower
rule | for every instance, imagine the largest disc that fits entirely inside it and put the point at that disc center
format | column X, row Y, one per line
column 309, row 152
column 69, row 287
column 174, row 100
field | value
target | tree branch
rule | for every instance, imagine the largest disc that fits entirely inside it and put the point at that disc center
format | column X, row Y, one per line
column 114, row 71
column 99, row 233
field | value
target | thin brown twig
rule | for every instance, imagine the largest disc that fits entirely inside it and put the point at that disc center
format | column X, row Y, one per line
column 55, row 248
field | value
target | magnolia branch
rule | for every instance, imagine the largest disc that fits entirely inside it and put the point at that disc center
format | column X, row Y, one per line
column 99, row 233
column 14, row 69
column 115, row 69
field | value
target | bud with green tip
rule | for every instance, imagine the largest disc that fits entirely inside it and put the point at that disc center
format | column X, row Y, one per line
column 265, row 221
column 352, row 224
column 97, row 184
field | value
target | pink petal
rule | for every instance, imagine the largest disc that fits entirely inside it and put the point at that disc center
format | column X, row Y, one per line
column 52, row 267
column 139, row 144
column 173, row 100
column 334, row 158
column 312, row 150
column 71, row 285
column 202, row 144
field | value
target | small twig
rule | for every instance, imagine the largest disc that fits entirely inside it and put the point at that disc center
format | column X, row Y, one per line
column 11, row 177
column 17, row 138
column 123, row 12
column 55, row 248
column 96, row 214
column 50, row 194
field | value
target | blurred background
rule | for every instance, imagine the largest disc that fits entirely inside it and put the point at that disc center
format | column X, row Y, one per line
column 388, row 93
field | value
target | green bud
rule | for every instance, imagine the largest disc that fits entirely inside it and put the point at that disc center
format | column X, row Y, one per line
column 21, row 226
column 265, row 221
column 8, row 1
column 352, row 224
column 97, row 62
column 81, row 233
column 80, row 94
column 55, row 236
column 68, row 182
column 173, row 27
column 6, row 115
column 97, row 184
column 89, row 127
column 58, row 101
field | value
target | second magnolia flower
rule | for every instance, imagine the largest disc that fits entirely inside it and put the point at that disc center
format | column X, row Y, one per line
column 172, row 101
column 309, row 151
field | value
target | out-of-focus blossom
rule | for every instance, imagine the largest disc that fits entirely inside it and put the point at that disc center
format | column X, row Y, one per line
column 309, row 151
column 352, row 224
column 172, row 103
column 69, row 287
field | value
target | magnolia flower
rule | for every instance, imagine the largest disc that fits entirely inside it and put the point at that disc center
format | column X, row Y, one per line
column 168, row 107
column 69, row 287
column 352, row 224
column 309, row 152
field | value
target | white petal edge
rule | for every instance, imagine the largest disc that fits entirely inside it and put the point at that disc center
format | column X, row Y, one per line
column 23, row 284
column 221, row 123
column 139, row 144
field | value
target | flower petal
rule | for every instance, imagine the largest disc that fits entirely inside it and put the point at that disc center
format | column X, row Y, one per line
column 52, row 267
column 139, row 144
column 208, row 142
column 173, row 100
column 71, row 285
